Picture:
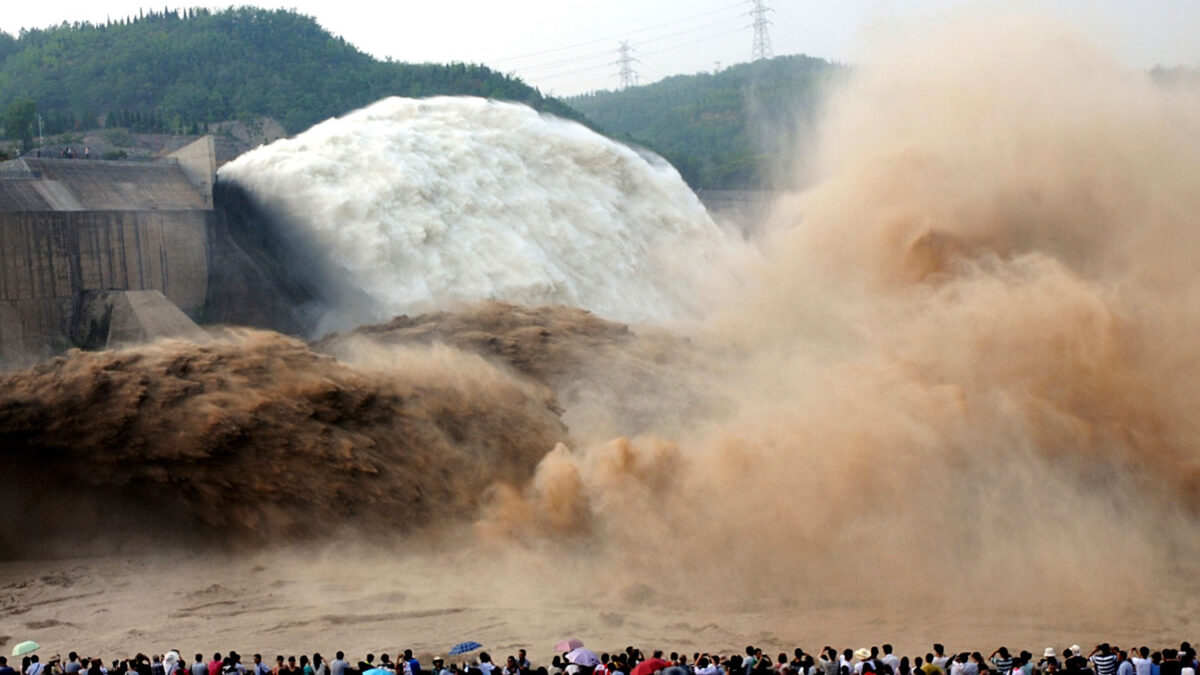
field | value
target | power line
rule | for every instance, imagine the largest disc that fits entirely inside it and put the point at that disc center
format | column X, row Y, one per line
column 583, row 58
column 692, row 42
column 812, row 38
column 560, row 74
column 567, row 73
column 611, row 38
column 641, row 57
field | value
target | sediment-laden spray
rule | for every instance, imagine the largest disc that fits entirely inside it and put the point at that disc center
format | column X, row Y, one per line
column 963, row 366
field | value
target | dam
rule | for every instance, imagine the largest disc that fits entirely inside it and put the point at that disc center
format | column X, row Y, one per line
column 95, row 252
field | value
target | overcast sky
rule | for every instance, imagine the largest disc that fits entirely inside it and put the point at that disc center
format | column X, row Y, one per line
column 569, row 46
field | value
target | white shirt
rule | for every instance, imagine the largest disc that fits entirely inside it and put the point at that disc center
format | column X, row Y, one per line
column 1141, row 666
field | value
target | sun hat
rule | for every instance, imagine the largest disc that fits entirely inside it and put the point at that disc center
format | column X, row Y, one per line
column 1076, row 650
column 1049, row 653
column 863, row 653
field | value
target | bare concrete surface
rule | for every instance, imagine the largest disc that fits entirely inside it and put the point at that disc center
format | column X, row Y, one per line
column 110, row 319
column 72, row 227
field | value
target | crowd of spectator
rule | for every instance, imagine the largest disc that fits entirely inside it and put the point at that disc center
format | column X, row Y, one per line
column 1104, row 659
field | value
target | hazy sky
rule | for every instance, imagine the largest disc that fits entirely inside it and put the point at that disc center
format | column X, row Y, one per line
column 569, row 46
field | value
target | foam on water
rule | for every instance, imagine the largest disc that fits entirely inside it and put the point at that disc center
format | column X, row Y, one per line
column 434, row 201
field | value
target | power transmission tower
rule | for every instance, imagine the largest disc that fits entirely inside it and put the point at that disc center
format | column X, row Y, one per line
column 762, row 40
column 625, row 61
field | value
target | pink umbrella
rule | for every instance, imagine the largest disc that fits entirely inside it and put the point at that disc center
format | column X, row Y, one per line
column 568, row 645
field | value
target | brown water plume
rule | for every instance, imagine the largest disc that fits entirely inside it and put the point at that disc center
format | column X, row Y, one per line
column 256, row 438
column 962, row 367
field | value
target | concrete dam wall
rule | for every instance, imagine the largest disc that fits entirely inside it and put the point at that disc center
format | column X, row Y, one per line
column 48, row 260
column 73, row 227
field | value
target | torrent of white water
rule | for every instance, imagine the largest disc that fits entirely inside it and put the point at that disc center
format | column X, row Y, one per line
column 436, row 201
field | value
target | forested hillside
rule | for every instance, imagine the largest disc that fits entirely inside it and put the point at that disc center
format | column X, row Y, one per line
column 732, row 129
column 177, row 71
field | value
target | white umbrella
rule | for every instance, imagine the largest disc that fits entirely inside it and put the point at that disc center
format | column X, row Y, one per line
column 583, row 657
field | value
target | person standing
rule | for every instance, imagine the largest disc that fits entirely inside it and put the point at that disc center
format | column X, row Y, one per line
column 1104, row 660
column 1124, row 666
column 864, row 664
column 889, row 659
column 1073, row 661
column 1170, row 663
column 260, row 668
column 749, row 661
column 1142, row 665
column 1004, row 661
column 1024, row 664
column 939, row 657
column 339, row 665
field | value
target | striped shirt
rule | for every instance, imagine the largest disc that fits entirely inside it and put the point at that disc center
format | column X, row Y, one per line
column 1106, row 664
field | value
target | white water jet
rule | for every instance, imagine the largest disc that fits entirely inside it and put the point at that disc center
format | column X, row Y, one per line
column 435, row 201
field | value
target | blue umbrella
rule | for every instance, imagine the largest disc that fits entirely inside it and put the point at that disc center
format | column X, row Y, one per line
column 464, row 647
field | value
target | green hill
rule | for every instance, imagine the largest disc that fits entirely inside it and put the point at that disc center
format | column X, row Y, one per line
column 178, row 71
column 732, row 129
